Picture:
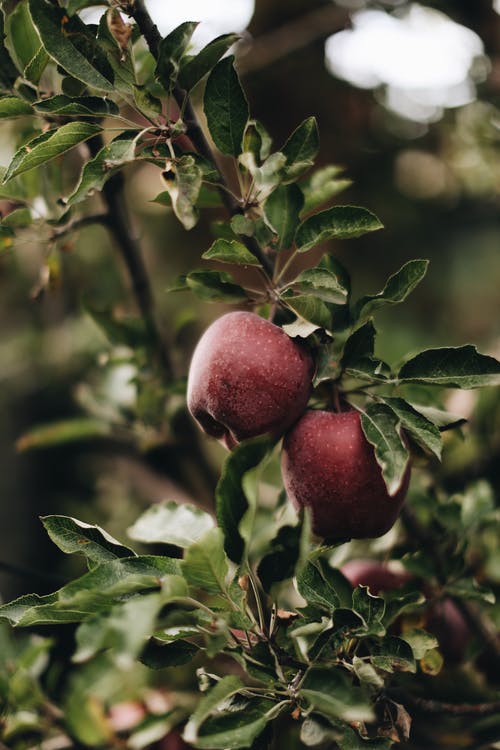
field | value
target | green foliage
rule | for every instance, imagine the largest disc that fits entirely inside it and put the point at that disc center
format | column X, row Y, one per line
column 314, row 656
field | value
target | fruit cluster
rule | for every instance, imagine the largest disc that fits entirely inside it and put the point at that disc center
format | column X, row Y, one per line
column 249, row 378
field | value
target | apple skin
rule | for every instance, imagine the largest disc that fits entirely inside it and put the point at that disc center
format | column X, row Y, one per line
column 173, row 741
column 378, row 576
column 329, row 467
column 247, row 378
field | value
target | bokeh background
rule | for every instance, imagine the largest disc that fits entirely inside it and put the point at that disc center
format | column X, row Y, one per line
column 406, row 96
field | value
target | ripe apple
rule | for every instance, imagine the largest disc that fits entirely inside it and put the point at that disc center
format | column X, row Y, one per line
column 442, row 618
column 378, row 576
column 247, row 378
column 329, row 467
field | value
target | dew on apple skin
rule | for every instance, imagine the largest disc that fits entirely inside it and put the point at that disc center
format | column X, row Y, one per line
column 248, row 376
column 329, row 467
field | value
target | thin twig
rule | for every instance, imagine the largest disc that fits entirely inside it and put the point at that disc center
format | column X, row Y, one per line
column 130, row 250
column 153, row 38
column 80, row 223
column 119, row 225
column 431, row 706
column 292, row 36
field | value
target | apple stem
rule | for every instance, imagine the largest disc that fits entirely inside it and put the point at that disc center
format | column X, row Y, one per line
column 336, row 398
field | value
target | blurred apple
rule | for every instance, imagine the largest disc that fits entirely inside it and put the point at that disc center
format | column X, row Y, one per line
column 378, row 576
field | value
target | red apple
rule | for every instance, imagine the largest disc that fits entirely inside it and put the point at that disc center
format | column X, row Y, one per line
column 247, row 378
column 378, row 576
column 329, row 467
column 442, row 618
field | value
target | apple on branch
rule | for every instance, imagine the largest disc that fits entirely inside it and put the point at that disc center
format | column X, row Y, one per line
column 247, row 378
column 329, row 467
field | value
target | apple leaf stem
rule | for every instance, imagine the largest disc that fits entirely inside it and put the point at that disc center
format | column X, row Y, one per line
column 149, row 30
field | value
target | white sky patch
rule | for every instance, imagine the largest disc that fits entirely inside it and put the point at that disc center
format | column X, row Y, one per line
column 422, row 57
column 216, row 16
column 496, row 5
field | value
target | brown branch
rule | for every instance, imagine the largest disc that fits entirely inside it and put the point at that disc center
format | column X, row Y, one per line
column 149, row 30
column 130, row 250
column 431, row 706
column 294, row 35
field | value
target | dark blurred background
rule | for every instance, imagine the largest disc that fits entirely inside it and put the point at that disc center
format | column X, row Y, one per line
column 406, row 96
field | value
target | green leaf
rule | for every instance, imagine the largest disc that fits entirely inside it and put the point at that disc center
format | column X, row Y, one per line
column 242, row 225
column 97, row 171
column 127, row 626
column 123, row 630
column 358, row 359
column 392, row 654
column 64, row 431
column 314, row 585
column 15, row 190
column 468, row 588
column 423, row 431
column 310, row 308
column 71, row 44
column 73, row 536
column 224, row 689
column 420, row 641
column 231, row 501
column 49, row 145
column 444, row 420
column 396, row 603
column 284, row 552
column 323, row 284
column 146, row 103
column 322, row 186
column 225, row 107
column 450, row 367
column 159, row 655
column 257, row 141
column 331, row 692
column 341, row 222
column 205, row 563
column 397, row 289
column 182, row 180
column 382, row 429
column 84, row 106
column 171, row 51
column 282, row 210
column 197, row 67
column 8, row 71
column 266, row 177
column 212, row 286
column 11, row 106
column 96, row 591
column 17, row 219
column 370, row 608
column 360, row 344
column 25, row 45
column 236, row 728
column 301, row 148
column 171, row 523
column 230, row 251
